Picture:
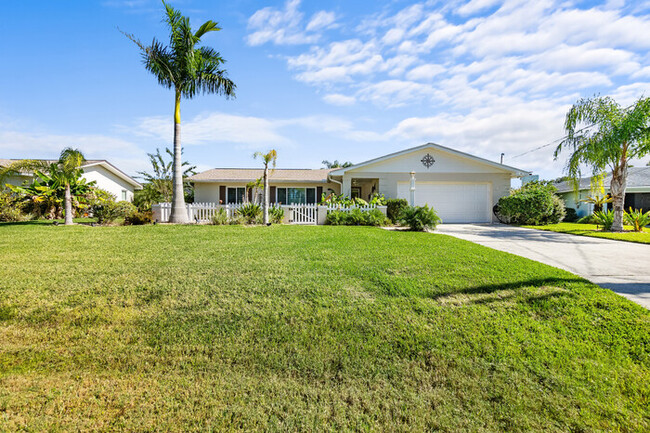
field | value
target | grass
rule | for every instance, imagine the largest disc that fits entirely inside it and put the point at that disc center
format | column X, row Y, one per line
column 289, row 328
column 596, row 232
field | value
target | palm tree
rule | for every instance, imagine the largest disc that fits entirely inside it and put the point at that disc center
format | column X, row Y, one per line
column 188, row 70
column 267, row 158
column 601, row 135
column 336, row 164
column 63, row 173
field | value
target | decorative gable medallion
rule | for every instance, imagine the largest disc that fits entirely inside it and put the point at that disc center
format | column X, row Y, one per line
column 428, row 160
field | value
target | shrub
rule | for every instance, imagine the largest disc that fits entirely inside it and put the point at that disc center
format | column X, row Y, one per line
column 108, row 211
column 605, row 219
column 138, row 218
column 570, row 215
column 276, row 214
column 419, row 218
column 236, row 220
column 394, row 208
column 587, row 219
column 356, row 217
column 250, row 212
column 219, row 218
column 533, row 204
column 336, row 218
column 637, row 219
column 10, row 210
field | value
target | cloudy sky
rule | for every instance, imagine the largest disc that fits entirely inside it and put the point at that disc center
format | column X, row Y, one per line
column 346, row 80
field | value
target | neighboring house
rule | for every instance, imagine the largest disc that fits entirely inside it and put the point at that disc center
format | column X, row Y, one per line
column 461, row 187
column 106, row 176
column 637, row 192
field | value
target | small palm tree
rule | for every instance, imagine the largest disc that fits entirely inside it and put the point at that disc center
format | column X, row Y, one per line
column 601, row 134
column 65, row 172
column 188, row 70
column 267, row 158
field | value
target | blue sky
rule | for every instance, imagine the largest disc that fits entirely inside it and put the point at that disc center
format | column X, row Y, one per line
column 319, row 80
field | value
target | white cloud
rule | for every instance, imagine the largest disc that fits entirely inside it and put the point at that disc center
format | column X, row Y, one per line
column 321, row 20
column 286, row 26
column 425, row 72
column 338, row 99
column 476, row 6
column 122, row 153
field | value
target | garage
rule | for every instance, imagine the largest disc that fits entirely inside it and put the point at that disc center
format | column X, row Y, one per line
column 462, row 188
column 454, row 202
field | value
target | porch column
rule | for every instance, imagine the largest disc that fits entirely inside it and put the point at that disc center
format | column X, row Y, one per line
column 412, row 189
column 346, row 188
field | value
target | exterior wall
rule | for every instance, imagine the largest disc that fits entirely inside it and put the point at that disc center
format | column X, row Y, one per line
column 208, row 192
column 15, row 180
column 499, row 183
column 108, row 181
column 572, row 200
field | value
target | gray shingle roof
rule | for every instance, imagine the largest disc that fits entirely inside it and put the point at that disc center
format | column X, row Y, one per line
column 636, row 177
column 250, row 174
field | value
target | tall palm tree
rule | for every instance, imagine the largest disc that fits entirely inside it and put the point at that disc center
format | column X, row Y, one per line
column 188, row 70
column 267, row 158
column 601, row 135
column 64, row 172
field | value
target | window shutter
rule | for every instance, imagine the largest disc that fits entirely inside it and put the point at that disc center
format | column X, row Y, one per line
column 319, row 193
column 272, row 195
column 250, row 194
column 222, row 194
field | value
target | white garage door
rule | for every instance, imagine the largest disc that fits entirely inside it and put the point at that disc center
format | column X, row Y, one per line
column 454, row 202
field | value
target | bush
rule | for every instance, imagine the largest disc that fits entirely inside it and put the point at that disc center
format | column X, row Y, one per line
column 637, row 219
column 394, row 208
column 276, row 214
column 108, row 211
column 356, row 217
column 219, row 218
column 419, row 218
column 138, row 218
column 533, row 204
column 570, row 215
column 605, row 219
column 250, row 212
column 10, row 210
column 587, row 219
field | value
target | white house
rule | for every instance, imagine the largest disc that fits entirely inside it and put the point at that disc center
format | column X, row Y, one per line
column 106, row 176
column 459, row 186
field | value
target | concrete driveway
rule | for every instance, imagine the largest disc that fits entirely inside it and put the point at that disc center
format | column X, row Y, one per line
column 623, row 267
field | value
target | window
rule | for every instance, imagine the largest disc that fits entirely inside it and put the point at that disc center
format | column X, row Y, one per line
column 235, row 195
column 295, row 195
column 124, row 195
column 355, row 192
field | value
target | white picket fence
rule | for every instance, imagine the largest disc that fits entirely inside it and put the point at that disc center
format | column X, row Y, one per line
column 348, row 209
column 303, row 213
column 294, row 213
column 196, row 212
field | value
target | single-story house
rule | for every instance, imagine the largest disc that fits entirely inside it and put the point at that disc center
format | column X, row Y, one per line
column 637, row 192
column 461, row 187
column 106, row 176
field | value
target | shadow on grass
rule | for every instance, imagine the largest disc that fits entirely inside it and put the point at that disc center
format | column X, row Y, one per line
column 480, row 292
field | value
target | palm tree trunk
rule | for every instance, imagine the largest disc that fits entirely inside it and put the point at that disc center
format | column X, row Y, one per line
column 617, row 189
column 266, row 194
column 179, row 211
column 68, row 205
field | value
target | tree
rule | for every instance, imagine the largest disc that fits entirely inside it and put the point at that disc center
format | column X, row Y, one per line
column 601, row 135
column 158, row 185
column 188, row 70
column 267, row 158
column 62, row 176
column 336, row 164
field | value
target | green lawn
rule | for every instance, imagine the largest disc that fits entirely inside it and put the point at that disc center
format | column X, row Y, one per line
column 594, row 231
column 289, row 328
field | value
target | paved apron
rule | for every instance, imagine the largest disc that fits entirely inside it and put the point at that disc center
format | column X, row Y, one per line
column 623, row 267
